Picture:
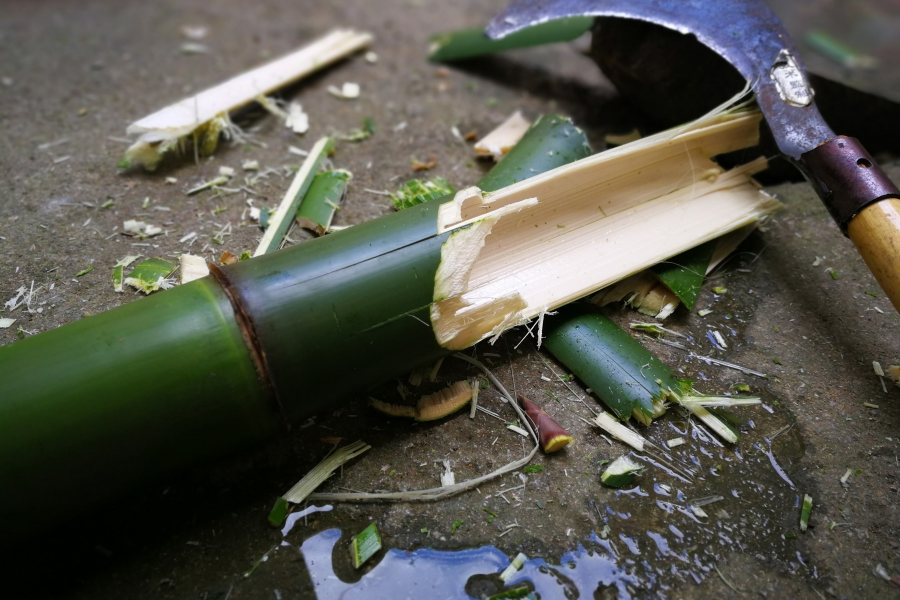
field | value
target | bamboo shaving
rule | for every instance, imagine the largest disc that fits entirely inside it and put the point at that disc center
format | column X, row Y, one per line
column 602, row 213
column 323, row 471
column 207, row 112
column 451, row 490
column 608, row 424
column 501, row 140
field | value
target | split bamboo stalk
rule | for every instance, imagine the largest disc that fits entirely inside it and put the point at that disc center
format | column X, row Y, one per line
column 234, row 357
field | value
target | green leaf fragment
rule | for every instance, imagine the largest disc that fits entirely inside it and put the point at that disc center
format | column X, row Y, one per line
column 533, row 468
column 491, row 515
column 279, row 512
column 833, row 274
column 84, row 271
column 365, row 545
column 418, row 191
column 684, row 274
column 456, row 525
column 720, row 289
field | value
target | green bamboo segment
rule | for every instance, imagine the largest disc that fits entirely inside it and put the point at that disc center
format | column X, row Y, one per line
column 470, row 43
column 322, row 200
column 321, row 343
column 280, row 222
column 684, row 274
column 617, row 368
column 551, row 142
column 114, row 401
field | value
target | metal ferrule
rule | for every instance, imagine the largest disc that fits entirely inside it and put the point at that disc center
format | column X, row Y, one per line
column 846, row 178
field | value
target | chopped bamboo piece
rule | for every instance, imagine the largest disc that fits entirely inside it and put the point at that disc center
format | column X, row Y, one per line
column 607, row 423
column 502, row 139
column 513, row 567
column 280, row 222
column 150, row 275
column 323, row 200
column 192, row 267
column 675, row 442
column 323, row 471
column 118, row 279
column 621, row 472
column 617, row 368
column 431, row 407
column 469, row 43
column 204, row 116
column 364, row 545
column 553, row 437
column 805, row 512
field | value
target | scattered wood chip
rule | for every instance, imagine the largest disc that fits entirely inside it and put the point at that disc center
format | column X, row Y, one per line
column 499, row 141
column 348, row 91
column 192, row 267
column 418, row 165
column 297, row 120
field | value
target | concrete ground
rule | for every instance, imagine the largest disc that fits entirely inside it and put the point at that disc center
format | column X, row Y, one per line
column 74, row 75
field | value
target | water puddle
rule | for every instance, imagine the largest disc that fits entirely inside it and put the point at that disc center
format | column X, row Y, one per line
column 467, row 574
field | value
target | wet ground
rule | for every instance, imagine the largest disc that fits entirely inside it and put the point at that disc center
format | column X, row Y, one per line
column 82, row 72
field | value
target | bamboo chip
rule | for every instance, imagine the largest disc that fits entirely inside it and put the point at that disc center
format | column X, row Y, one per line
column 280, row 222
column 469, row 43
column 206, row 113
column 192, row 267
column 325, row 194
column 502, row 139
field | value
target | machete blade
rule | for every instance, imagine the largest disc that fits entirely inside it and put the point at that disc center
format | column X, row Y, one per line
column 746, row 33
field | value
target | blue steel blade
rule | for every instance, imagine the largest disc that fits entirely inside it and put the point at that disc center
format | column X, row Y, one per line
column 744, row 32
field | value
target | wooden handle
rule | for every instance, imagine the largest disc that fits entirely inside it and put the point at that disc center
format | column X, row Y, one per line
column 876, row 233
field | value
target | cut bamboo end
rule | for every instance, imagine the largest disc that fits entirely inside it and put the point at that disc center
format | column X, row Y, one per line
column 511, row 252
column 553, row 437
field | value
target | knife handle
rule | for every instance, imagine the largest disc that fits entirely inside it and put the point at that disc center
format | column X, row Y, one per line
column 876, row 233
column 864, row 202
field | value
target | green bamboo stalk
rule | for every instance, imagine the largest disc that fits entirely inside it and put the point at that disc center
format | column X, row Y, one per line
column 114, row 401
column 322, row 200
column 109, row 403
column 618, row 369
column 470, row 43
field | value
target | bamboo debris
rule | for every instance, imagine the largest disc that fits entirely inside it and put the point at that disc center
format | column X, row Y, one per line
column 281, row 220
column 322, row 471
column 192, row 267
column 648, row 292
column 544, row 242
column 431, row 407
column 322, row 201
column 204, row 116
column 150, row 275
column 450, row 490
column 501, row 140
